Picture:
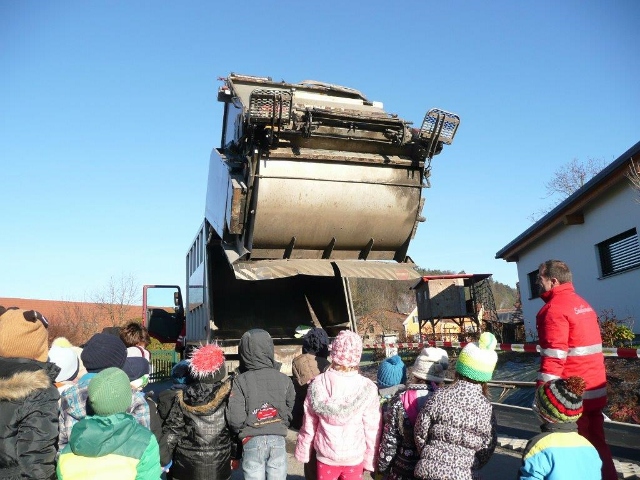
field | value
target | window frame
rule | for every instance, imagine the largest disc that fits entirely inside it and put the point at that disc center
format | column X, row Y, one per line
column 534, row 288
column 618, row 254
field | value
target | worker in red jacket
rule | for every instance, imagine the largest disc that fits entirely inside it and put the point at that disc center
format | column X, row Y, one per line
column 571, row 345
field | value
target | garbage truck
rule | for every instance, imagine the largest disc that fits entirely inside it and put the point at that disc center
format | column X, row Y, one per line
column 313, row 184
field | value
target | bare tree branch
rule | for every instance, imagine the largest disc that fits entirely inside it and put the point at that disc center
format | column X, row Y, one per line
column 113, row 301
column 634, row 177
column 566, row 180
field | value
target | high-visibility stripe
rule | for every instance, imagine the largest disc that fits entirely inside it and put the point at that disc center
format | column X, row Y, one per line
column 545, row 377
column 513, row 347
column 597, row 393
column 553, row 352
column 588, row 350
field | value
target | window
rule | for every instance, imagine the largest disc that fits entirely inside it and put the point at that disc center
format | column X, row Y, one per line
column 534, row 289
column 619, row 253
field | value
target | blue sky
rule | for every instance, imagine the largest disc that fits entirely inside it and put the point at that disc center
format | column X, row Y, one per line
column 108, row 114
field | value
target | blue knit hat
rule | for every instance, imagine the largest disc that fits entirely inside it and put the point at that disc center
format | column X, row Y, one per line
column 103, row 350
column 392, row 371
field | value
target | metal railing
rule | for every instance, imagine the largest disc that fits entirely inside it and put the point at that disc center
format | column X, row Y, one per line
column 162, row 361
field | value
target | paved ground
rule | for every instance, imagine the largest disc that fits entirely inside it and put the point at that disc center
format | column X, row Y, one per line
column 503, row 464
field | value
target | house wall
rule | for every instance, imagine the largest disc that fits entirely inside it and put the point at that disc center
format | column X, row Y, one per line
column 615, row 212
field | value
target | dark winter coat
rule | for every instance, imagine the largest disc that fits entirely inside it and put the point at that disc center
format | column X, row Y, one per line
column 397, row 454
column 455, row 433
column 196, row 432
column 28, row 419
column 262, row 397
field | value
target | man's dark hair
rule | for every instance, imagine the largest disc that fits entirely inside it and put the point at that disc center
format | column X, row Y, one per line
column 134, row 333
column 556, row 269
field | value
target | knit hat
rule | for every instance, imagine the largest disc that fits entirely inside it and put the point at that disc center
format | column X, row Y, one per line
column 207, row 364
column 103, row 350
column 180, row 372
column 110, row 392
column 136, row 367
column 391, row 372
column 316, row 342
column 23, row 334
column 559, row 400
column 346, row 349
column 477, row 360
column 431, row 364
column 67, row 359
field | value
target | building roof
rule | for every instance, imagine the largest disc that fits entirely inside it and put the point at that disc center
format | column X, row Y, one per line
column 570, row 211
column 475, row 277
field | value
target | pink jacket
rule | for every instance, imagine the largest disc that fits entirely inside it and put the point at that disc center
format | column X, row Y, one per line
column 342, row 420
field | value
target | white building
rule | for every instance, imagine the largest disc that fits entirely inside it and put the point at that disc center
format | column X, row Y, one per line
column 595, row 231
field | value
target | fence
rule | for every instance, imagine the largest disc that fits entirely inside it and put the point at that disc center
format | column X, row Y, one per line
column 508, row 347
column 162, row 361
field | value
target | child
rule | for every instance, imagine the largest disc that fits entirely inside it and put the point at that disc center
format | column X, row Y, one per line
column 259, row 410
column 28, row 397
column 111, row 440
column 195, row 431
column 67, row 361
column 392, row 373
column 455, row 432
column 135, row 336
column 341, row 415
column 559, row 452
column 398, row 455
column 305, row 367
column 102, row 351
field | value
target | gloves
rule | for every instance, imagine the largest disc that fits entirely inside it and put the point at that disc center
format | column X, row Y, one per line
column 166, row 468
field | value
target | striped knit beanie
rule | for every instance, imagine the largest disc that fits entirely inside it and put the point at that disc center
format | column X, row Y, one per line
column 477, row 360
column 559, row 400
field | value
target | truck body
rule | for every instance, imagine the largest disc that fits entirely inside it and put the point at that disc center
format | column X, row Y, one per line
column 312, row 184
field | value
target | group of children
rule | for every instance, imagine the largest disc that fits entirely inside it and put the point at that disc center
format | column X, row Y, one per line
column 86, row 416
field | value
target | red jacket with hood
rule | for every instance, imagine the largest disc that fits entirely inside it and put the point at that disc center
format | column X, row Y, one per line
column 571, row 344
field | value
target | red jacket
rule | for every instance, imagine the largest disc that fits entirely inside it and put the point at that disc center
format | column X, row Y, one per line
column 571, row 344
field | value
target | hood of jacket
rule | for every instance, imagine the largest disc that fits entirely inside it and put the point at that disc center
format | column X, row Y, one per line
column 20, row 377
column 256, row 350
column 338, row 396
column 202, row 398
column 99, row 436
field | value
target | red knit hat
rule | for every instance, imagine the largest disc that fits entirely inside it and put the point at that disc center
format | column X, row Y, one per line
column 207, row 363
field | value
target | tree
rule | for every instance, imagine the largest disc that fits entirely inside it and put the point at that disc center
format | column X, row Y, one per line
column 634, row 177
column 566, row 180
column 117, row 296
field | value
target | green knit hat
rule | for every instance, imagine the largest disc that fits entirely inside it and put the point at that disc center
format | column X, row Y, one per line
column 110, row 392
column 477, row 360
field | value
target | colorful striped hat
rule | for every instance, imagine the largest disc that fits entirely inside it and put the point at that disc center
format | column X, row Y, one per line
column 477, row 360
column 560, row 400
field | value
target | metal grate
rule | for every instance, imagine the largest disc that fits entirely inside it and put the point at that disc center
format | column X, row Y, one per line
column 267, row 105
column 441, row 123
